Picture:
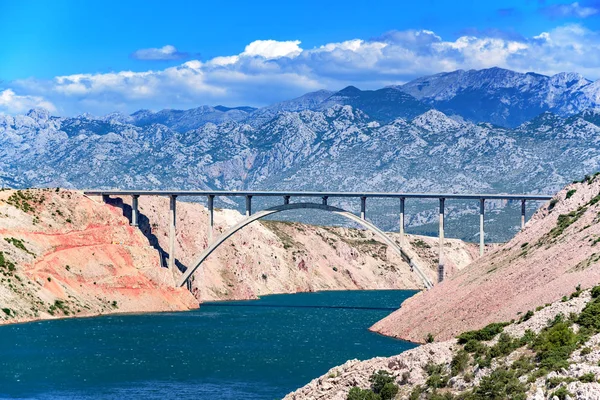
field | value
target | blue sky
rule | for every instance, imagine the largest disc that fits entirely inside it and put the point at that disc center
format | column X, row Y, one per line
column 102, row 56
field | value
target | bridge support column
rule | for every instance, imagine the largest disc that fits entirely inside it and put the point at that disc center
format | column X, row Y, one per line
column 134, row 210
column 286, row 199
column 172, row 221
column 324, row 200
column 441, row 250
column 248, row 206
column 402, row 222
column 210, row 202
column 363, row 207
column 522, row 214
column 481, row 230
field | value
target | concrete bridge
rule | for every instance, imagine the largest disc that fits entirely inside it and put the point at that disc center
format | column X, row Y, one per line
column 323, row 206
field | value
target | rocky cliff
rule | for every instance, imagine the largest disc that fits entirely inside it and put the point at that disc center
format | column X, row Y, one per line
column 558, row 250
column 285, row 257
column 64, row 254
column 551, row 354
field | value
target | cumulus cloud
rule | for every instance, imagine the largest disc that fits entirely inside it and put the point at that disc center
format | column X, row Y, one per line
column 267, row 71
column 570, row 10
column 271, row 49
column 12, row 103
column 164, row 53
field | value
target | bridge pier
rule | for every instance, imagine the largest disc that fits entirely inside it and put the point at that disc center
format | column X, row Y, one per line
column 210, row 202
column 324, row 202
column 441, row 250
column 248, row 205
column 286, row 199
column 481, row 230
column 134, row 210
column 402, row 222
column 522, row 214
column 363, row 207
column 172, row 221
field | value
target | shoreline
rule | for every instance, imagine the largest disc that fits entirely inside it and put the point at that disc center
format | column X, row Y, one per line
column 126, row 313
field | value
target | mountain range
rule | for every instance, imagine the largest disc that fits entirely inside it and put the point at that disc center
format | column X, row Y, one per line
column 419, row 137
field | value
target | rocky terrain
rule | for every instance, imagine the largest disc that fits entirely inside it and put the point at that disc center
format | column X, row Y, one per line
column 63, row 254
column 285, row 257
column 550, row 353
column 558, row 250
column 415, row 138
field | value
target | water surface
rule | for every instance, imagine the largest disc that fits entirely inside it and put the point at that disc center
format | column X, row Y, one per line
column 259, row 349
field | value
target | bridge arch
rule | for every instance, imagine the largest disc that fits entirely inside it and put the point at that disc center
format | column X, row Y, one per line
column 295, row 206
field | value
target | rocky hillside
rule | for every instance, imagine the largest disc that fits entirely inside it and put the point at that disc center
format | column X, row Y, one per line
column 64, row 254
column 552, row 353
column 285, row 257
column 558, row 251
column 291, row 151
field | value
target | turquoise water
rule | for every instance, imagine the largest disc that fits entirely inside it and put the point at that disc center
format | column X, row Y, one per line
column 226, row 350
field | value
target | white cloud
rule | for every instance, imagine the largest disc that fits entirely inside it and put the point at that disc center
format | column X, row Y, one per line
column 268, row 71
column 167, row 52
column 14, row 104
column 570, row 10
column 271, row 49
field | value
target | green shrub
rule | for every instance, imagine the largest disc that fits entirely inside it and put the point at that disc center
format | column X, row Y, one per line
column 554, row 345
column 570, row 193
column 459, row 362
column 585, row 351
column 476, row 347
column 590, row 316
column 379, row 379
column 437, row 379
column 500, row 384
column 382, row 388
column 429, row 338
column 552, row 203
column 484, row 334
column 527, row 316
column 588, row 378
column 6, row 311
column 357, row 393
column 415, row 394
column 596, row 291
column 505, row 346
column 562, row 393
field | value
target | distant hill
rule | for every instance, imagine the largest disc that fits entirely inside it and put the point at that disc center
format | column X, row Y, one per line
column 504, row 97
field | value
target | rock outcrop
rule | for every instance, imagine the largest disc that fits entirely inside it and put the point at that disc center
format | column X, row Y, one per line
column 551, row 354
column 271, row 257
column 558, row 250
column 64, row 254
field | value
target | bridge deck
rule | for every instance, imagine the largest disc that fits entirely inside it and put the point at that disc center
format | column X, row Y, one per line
column 487, row 196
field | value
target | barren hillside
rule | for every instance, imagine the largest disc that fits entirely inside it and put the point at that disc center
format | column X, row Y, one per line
column 282, row 257
column 64, row 254
column 558, row 250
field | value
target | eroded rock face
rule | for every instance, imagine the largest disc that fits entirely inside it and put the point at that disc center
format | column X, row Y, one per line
column 64, row 254
column 558, row 250
column 270, row 257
